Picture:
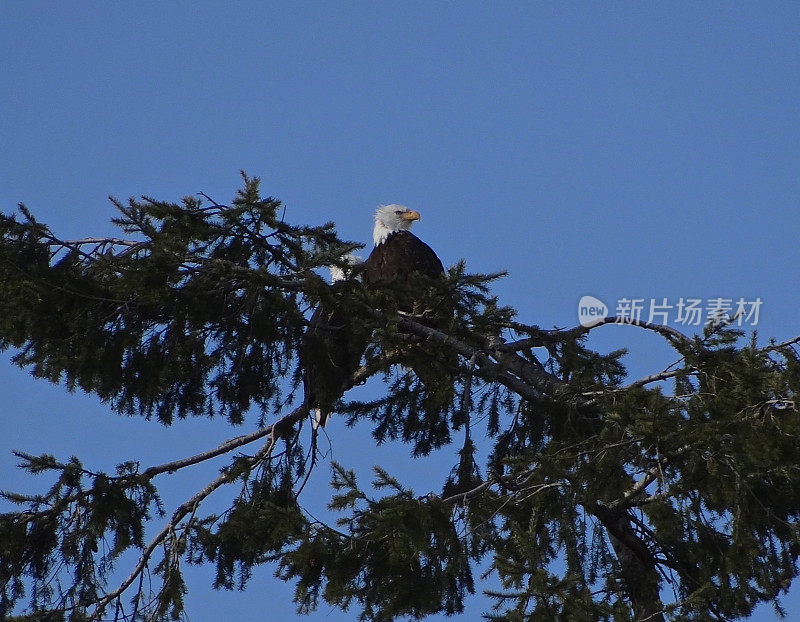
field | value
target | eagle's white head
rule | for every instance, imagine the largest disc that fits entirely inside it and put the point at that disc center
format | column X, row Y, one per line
column 392, row 218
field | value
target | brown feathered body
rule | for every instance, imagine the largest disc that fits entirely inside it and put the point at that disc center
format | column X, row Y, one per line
column 406, row 266
column 330, row 353
column 400, row 256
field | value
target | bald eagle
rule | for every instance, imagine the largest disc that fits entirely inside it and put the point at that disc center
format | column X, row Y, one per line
column 331, row 349
column 397, row 261
column 398, row 253
column 334, row 343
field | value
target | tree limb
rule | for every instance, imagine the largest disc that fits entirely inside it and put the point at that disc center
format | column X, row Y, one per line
column 545, row 337
column 180, row 513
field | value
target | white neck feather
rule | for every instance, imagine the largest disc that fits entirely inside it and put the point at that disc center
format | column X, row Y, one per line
column 380, row 233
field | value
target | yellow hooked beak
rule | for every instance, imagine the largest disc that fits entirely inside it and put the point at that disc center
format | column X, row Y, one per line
column 410, row 215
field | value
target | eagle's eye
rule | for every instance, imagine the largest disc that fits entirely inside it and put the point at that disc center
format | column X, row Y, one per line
column 398, row 212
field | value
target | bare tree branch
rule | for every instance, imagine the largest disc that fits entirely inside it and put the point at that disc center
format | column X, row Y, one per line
column 96, row 241
column 545, row 337
column 781, row 346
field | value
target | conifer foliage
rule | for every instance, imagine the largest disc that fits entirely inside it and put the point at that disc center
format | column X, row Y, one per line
column 599, row 497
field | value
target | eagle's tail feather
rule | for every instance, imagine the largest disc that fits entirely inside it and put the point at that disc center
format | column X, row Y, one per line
column 320, row 418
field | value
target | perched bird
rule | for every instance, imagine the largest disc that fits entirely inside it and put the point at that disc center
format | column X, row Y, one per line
column 334, row 343
column 331, row 349
column 404, row 267
column 398, row 253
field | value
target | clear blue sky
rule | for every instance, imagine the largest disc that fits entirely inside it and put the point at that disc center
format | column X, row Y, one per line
column 617, row 149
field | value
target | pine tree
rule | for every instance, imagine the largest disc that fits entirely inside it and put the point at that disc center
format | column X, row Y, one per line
column 599, row 492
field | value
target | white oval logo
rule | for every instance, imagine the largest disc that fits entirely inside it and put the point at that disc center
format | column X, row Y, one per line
column 591, row 311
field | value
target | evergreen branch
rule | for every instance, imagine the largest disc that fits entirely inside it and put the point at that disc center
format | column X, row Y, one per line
column 96, row 241
column 214, row 204
column 278, row 428
column 780, row 346
column 510, row 370
column 545, row 337
column 75, row 246
column 267, row 277
column 638, row 562
column 180, row 513
column 638, row 487
column 664, row 375
column 462, row 497
column 229, row 445
column 190, row 266
column 519, row 327
column 487, row 368
column 315, row 521
column 364, row 372
column 510, row 482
